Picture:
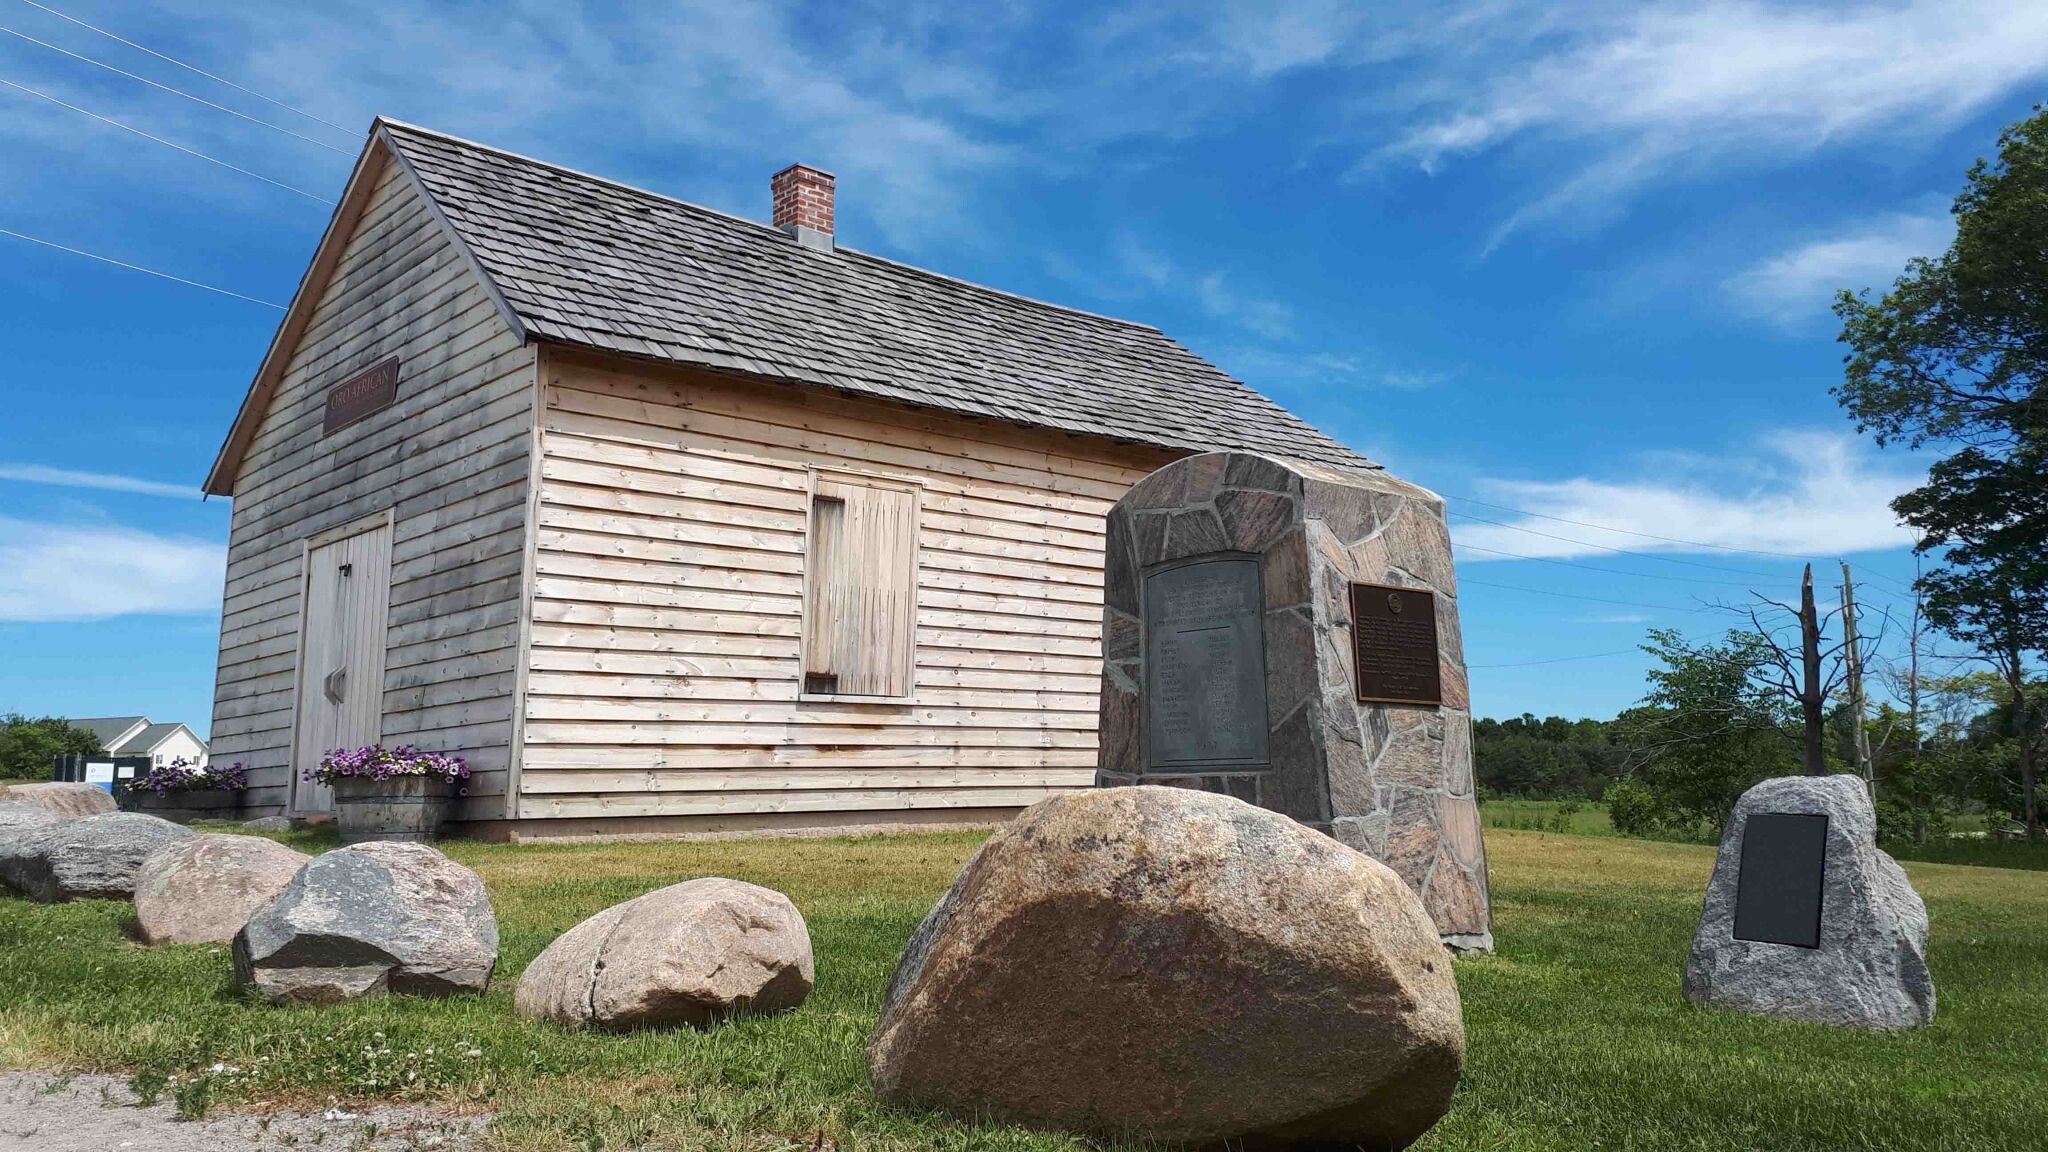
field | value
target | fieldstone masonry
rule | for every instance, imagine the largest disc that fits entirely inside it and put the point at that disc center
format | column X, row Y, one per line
column 1391, row 780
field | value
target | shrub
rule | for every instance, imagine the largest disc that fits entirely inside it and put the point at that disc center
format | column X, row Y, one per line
column 28, row 746
column 1632, row 807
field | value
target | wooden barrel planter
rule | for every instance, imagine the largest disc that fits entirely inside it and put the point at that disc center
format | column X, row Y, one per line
column 394, row 808
column 183, row 807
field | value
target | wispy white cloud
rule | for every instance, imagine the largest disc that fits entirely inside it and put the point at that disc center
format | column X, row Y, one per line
column 103, row 481
column 1211, row 289
column 1631, row 93
column 1805, row 494
column 1798, row 284
column 63, row 572
column 1342, row 371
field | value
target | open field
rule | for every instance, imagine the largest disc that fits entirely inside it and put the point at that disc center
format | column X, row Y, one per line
column 1590, row 819
column 1578, row 1037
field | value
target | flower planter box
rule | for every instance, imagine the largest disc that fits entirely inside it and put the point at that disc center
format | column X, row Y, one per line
column 394, row 808
column 182, row 807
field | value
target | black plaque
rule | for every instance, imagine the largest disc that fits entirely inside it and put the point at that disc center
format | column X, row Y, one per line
column 1205, row 667
column 373, row 389
column 1784, row 867
column 1393, row 644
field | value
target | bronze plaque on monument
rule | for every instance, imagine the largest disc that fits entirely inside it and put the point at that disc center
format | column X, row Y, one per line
column 1784, row 872
column 372, row 389
column 1393, row 642
column 1205, row 667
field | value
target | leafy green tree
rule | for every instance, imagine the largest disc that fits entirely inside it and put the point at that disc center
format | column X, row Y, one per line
column 1711, row 725
column 1957, row 351
column 1548, row 759
column 1956, row 354
column 27, row 747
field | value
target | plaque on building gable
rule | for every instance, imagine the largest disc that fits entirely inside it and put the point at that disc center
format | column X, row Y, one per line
column 1394, row 644
column 1205, row 666
column 371, row 390
column 1784, row 870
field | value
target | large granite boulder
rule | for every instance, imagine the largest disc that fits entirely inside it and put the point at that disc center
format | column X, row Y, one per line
column 369, row 919
column 94, row 858
column 20, row 823
column 21, row 820
column 693, row 953
column 1868, row 965
column 67, row 799
column 1177, row 966
column 202, row 890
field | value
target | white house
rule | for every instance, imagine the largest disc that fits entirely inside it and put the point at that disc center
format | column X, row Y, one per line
column 137, row 736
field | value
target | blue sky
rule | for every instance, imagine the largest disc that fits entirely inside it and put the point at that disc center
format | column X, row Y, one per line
column 1569, row 260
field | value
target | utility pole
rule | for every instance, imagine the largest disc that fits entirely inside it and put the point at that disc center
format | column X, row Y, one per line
column 1853, row 658
column 1913, row 699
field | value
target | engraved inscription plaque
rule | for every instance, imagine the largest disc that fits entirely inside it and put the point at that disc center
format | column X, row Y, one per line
column 1205, row 667
column 1784, row 867
column 1393, row 641
column 371, row 390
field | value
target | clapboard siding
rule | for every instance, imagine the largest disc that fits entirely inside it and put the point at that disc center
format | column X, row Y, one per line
column 450, row 461
column 663, row 665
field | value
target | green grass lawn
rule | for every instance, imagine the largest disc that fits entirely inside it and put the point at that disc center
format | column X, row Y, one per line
column 1577, row 1035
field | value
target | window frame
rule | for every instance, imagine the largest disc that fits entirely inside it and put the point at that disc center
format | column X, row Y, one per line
column 814, row 474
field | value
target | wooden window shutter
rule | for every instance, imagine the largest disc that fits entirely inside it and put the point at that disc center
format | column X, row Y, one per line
column 862, row 590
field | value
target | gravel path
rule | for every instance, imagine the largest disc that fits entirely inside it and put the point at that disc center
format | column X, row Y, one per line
column 42, row 1112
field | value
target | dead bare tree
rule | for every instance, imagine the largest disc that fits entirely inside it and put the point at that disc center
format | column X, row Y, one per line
column 1805, row 669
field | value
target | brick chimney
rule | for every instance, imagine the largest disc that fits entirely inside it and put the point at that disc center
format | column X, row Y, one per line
column 803, row 205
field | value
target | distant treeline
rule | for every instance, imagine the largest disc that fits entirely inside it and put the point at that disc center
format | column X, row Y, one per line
column 1548, row 759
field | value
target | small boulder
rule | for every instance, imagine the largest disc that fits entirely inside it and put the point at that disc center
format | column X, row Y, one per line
column 68, row 799
column 692, row 953
column 1870, row 967
column 202, row 890
column 95, row 858
column 268, row 824
column 1175, row 966
column 367, row 919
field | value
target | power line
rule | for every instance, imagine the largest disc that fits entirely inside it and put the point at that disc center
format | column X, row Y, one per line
column 136, row 268
column 174, row 91
column 1576, row 596
column 162, row 141
column 1559, row 660
column 1597, row 568
column 185, row 66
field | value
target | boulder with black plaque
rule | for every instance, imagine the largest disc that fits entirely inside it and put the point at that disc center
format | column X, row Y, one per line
column 1806, row 918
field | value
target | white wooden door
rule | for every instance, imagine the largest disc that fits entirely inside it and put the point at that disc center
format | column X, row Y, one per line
column 341, row 656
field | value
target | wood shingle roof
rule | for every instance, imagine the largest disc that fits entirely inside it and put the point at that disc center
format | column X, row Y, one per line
column 588, row 262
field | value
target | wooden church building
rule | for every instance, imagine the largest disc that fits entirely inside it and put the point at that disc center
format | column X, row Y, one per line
column 671, row 521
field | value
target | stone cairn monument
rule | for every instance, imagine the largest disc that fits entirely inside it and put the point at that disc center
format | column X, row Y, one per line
column 1806, row 918
column 1287, row 634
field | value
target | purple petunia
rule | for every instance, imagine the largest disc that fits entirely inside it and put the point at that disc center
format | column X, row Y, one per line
column 181, row 775
column 376, row 762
